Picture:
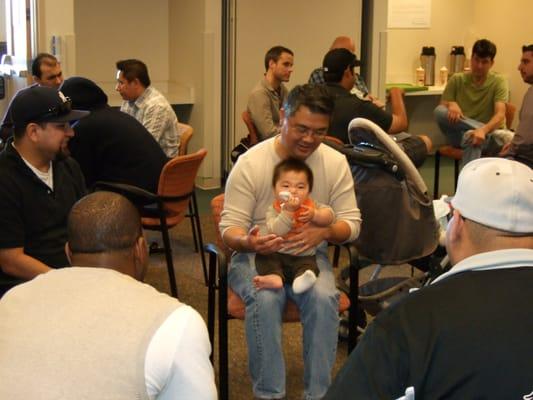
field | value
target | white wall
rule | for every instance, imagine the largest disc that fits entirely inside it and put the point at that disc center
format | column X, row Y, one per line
column 194, row 58
column 451, row 24
column 108, row 31
column 307, row 27
column 2, row 21
column 56, row 17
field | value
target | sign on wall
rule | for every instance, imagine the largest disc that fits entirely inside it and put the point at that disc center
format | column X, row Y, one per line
column 409, row 14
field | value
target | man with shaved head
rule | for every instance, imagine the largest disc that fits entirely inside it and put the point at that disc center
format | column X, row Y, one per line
column 93, row 331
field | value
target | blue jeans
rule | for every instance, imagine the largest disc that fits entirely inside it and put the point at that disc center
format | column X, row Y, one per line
column 455, row 133
column 264, row 309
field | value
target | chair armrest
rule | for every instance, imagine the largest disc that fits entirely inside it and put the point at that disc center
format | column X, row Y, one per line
column 353, row 255
column 217, row 257
column 136, row 195
column 221, row 261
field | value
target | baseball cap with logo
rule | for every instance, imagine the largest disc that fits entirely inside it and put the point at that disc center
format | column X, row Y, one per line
column 337, row 60
column 497, row 193
column 42, row 104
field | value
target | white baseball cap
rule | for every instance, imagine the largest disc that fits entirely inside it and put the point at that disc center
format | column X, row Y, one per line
column 497, row 193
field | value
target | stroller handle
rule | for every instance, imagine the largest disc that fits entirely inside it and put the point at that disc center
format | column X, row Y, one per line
column 405, row 162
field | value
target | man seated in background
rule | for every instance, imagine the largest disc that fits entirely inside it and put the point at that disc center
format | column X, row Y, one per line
column 94, row 331
column 521, row 147
column 339, row 74
column 147, row 105
column 111, row 145
column 46, row 71
column 468, row 334
column 359, row 87
column 39, row 185
column 472, row 110
column 268, row 96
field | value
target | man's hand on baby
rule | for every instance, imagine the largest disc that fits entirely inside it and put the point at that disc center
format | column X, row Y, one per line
column 263, row 244
column 307, row 236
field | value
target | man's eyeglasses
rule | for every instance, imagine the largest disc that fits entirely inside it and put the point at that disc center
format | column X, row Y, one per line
column 302, row 130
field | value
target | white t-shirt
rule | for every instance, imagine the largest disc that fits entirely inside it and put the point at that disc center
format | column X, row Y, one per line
column 177, row 365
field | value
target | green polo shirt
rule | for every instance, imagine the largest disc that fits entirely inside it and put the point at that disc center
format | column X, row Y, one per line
column 477, row 102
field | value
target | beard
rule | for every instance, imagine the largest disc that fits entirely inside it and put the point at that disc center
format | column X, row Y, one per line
column 63, row 153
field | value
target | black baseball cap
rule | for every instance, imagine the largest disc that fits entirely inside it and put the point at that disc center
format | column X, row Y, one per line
column 337, row 60
column 42, row 104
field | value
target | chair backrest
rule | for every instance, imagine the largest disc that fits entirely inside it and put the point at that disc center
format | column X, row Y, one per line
column 510, row 111
column 177, row 179
column 252, row 130
column 185, row 131
column 217, row 205
column 334, row 140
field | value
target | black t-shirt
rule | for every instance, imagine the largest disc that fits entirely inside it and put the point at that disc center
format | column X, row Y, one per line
column 33, row 216
column 347, row 107
column 466, row 337
column 113, row 146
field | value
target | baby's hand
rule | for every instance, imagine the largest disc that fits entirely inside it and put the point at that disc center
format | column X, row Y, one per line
column 292, row 204
column 284, row 196
column 307, row 215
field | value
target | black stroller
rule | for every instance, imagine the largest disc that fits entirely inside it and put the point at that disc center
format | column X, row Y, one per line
column 399, row 224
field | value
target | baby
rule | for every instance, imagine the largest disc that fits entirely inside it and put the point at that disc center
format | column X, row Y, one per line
column 292, row 182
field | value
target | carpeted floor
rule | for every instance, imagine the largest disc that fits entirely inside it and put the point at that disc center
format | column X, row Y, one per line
column 192, row 291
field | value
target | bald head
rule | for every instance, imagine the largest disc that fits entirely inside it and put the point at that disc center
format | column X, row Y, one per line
column 343, row 42
column 103, row 222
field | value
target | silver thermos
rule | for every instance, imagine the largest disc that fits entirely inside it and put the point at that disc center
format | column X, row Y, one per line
column 427, row 61
column 457, row 59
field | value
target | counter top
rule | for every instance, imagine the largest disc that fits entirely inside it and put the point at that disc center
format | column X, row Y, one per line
column 414, row 90
column 176, row 94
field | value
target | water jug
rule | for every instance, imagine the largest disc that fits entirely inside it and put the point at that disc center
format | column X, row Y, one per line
column 457, row 59
column 427, row 61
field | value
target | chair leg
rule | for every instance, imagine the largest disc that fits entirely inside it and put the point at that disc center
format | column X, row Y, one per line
column 353, row 333
column 193, row 226
column 223, row 338
column 196, row 217
column 168, row 256
column 211, row 291
column 336, row 256
column 436, row 176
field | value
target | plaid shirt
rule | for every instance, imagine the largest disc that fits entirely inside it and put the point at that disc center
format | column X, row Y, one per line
column 317, row 76
column 153, row 111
